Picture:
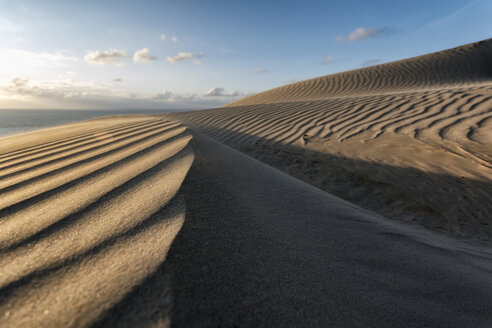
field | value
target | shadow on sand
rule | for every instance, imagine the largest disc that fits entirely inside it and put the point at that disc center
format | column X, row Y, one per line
column 289, row 260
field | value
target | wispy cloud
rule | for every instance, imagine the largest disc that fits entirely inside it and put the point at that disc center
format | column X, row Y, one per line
column 328, row 59
column 183, row 56
column 213, row 98
column 61, row 89
column 8, row 26
column 363, row 33
column 67, row 93
column 163, row 37
column 220, row 92
column 111, row 57
column 19, row 82
column 259, row 71
column 370, row 62
column 175, row 98
column 15, row 62
column 449, row 17
column 143, row 55
column 118, row 79
column 289, row 81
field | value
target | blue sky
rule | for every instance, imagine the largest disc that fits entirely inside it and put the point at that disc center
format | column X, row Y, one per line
column 198, row 54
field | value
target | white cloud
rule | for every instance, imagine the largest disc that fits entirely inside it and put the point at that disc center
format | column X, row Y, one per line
column 363, row 33
column 143, row 55
column 19, row 82
column 111, row 56
column 328, row 59
column 289, row 81
column 69, row 94
column 213, row 98
column 180, row 57
column 8, row 26
column 14, row 62
column 174, row 98
column 259, row 71
column 183, row 56
column 166, row 94
column 11, row 38
column 220, row 92
column 163, row 37
column 54, row 89
column 215, row 92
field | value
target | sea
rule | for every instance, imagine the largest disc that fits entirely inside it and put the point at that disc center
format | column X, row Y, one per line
column 20, row 121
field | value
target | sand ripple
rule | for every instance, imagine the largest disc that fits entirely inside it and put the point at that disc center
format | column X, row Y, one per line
column 432, row 114
column 86, row 218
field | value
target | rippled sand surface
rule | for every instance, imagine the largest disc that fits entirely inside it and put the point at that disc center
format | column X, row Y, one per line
column 411, row 140
column 382, row 220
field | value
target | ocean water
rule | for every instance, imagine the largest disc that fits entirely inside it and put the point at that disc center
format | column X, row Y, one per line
column 20, row 121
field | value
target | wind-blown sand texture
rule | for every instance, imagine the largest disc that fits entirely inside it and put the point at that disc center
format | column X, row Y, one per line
column 86, row 217
column 139, row 221
column 411, row 139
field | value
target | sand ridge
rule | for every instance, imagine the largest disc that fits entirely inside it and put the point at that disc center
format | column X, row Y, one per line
column 157, row 221
column 432, row 113
column 86, row 218
column 261, row 248
column 461, row 65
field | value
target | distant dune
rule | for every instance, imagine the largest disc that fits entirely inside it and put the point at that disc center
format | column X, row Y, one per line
column 156, row 221
column 459, row 66
column 411, row 139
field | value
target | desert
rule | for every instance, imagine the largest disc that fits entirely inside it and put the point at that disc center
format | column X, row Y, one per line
column 356, row 199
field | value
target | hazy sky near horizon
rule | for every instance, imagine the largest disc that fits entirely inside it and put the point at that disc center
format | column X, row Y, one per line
column 196, row 54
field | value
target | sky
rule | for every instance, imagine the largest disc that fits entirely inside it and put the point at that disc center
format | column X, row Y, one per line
column 184, row 54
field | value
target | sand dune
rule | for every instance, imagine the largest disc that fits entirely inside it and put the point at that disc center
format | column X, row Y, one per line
column 403, row 138
column 458, row 66
column 154, row 221
column 260, row 248
column 86, row 218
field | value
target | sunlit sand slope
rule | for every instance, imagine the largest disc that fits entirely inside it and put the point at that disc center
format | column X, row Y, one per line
column 146, row 227
column 259, row 248
column 466, row 64
column 410, row 139
column 131, row 222
column 86, row 216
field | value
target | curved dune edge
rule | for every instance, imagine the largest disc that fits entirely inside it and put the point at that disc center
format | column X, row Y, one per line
column 86, row 216
column 164, row 229
column 468, row 64
column 260, row 248
column 411, row 140
column 130, row 221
